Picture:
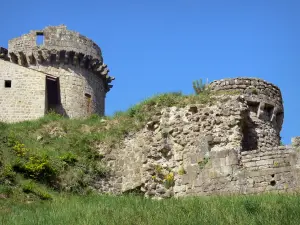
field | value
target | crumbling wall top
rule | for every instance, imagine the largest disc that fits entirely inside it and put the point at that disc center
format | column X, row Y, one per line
column 254, row 89
column 55, row 38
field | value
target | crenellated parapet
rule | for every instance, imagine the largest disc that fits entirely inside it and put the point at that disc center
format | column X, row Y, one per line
column 59, row 46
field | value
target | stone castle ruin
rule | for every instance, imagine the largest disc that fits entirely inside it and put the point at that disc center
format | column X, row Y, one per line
column 229, row 146
column 52, row 69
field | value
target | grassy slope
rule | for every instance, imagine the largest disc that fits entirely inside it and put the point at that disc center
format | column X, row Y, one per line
column 264, row 210
column 56, row 154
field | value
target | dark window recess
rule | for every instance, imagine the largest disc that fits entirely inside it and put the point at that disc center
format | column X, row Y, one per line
column 88, row 102
column 39, row 38
column 269, row 110
column 253, row 106
column 7, row 84
column 53, row 94
column 250, row 137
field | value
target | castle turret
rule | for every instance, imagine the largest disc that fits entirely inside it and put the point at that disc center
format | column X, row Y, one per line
column 265, row 110
column 66, row 66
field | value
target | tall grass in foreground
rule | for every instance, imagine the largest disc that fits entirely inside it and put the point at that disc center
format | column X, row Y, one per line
column 262, row 209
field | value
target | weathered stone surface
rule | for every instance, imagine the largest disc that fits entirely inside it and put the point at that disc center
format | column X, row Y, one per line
column 214, row 159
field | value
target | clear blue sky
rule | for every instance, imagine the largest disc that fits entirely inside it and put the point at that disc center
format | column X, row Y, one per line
column 162, row 45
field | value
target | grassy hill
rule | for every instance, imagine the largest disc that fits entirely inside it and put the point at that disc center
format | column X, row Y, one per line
column 56, row 154
column 47, row 169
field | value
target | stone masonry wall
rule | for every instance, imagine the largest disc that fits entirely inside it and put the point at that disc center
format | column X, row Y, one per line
column 262, row 90
column 28, row 92
column 67, row 57
column 265, row 115
column 198, row 150
column 178, row 139
column 75, row 84
column 25, row 100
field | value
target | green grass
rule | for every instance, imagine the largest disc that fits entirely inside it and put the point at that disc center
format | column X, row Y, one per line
column 262, row 209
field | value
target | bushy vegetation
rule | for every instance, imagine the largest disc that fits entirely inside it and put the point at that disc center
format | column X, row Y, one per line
column 90, row 210
column 50, row 154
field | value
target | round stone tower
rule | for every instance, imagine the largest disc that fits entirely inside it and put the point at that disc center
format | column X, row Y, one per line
column 76, row 79
column 264, row 116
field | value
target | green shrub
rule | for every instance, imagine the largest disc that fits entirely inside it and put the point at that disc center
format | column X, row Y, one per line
column 6, row 190
column 181, row 171
column 37, row 167
column 198, row 86
column 7, row 173
column 31, row 187
column 20, row 149
column 169, row 180
column 69, row 158
column 203, row 162
column 158, row 169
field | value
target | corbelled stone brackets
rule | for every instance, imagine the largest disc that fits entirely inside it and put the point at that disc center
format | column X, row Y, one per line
column 62, row 57
column 3, row 53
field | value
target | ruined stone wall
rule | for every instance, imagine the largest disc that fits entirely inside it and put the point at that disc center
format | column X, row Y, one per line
column 177, row 139
column 25, row 99
column 256, row 171
column 198, row 150
column 259, row 89
column 265, row 110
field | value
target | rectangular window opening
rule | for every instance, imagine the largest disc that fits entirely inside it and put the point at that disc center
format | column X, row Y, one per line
column 253, row 106
column 53, row 101
column 269, row 110
column 88, row 102
column 7, row 83
column 39, row 38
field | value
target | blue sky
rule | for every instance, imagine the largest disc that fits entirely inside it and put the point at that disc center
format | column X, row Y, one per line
column 160, row 46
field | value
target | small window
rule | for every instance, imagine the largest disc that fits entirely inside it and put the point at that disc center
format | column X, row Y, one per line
column 88, row 102
column 253, row 107
column 88, row 95
column 39, row 38
column 7, row 84
column 269, row 111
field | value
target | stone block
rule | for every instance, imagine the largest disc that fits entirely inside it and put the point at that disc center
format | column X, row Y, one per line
column 265, row 162
column 296, row 142
column 178, row 189
column 249, row 164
